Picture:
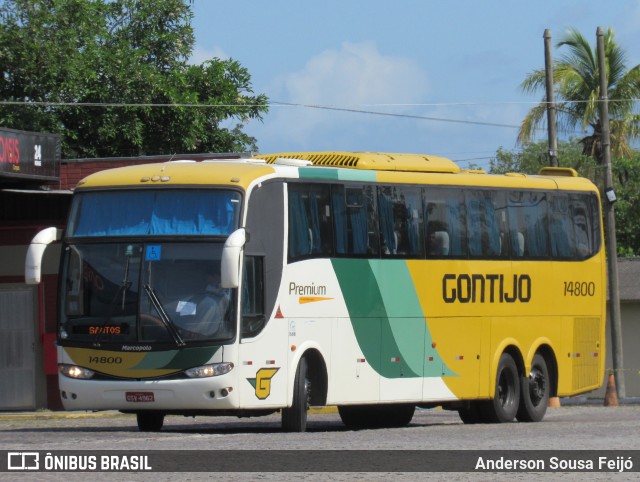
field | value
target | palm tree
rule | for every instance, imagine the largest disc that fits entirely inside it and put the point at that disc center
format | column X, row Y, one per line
column 577, row 90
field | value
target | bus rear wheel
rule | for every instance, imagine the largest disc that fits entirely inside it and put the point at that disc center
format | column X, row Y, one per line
column 534, row 396
column 354, row 416
column 294, row 418
column 506, row 399
column 470, row 414
column 397, row 415
column 150, row 421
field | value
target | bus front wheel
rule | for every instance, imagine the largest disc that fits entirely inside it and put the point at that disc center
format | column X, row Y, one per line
column 534, row 396
column 150, row 421
column 294, row 418
column 506, row 399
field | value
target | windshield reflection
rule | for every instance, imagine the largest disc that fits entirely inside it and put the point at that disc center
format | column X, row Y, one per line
column 156, row 292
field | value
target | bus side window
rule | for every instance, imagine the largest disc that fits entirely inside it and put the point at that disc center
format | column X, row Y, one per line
column 445, row 220
column 400, row 214
column 355, row 221
column 528, row 218
column 484, row 223
column 252, row 300
column 309, row 221
column 592, row 205
column 437, row 242
column 584, row 209
column 389, row 234
column 572, row 219
column 561, row 227
column 518, row 244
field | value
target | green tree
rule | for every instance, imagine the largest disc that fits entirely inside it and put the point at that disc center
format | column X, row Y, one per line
column 534, row 156
column 577, row 90
column 113, row 78
column 626, row 178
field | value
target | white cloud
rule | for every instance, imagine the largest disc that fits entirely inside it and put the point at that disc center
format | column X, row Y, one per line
column 357, row 77
column 200, row 55
column 356, row 74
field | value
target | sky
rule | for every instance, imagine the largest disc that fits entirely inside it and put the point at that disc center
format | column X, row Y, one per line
column 438, row 77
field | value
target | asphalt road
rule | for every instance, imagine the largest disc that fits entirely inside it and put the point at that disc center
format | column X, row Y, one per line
column 594, row 428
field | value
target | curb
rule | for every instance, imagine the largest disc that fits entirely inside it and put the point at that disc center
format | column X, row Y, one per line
column 47, row 415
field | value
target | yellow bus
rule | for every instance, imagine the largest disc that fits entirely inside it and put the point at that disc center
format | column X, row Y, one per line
column 373, row 282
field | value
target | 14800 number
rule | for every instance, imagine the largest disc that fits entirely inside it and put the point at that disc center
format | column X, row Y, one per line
column 579, row 288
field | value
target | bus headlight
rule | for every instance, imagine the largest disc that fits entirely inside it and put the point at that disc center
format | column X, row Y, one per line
column 73, row 371
column 209, row 370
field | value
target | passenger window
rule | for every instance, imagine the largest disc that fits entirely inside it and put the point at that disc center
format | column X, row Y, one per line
column 486, row 222
column 572, row 235
column 528, row 221
column 445, row 221
column 309, row 221
column 400, row 213
column 355, row 221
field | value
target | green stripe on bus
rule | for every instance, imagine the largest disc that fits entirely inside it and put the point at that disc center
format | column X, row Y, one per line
column 155, row 359
column 315, row 173
column 386, row 317
column 333, row 174
column 406, row 321
column 177, row 359
column 357, row 175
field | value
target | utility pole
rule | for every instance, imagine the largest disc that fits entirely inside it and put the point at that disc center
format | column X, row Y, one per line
column 551, row 104
column 610, row 223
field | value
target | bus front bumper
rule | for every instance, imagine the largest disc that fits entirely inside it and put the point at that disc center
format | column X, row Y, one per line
column 214, row 393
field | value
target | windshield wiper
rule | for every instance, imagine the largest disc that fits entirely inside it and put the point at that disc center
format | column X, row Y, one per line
column 123, row 288
column 126, row 284
column 166, row 321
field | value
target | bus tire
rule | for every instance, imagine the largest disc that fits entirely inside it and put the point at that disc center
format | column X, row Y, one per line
column 294, row 418
column 471, row 414
column 398, row 415
column 354, row 416
column 506, row 399
column 150, row 421
column 535, row 390
column 376, row 416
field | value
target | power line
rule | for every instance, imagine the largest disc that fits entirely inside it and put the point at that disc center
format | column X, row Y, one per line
column 308, row 106
column 474, row 159
column 294, row 104
column 270, row 104
column 390, row 114
column 273, row 104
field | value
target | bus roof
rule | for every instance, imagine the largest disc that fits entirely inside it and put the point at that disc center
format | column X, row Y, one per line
column 226, row 172
column 338, row 166
column 420, row 169
column 377, row 161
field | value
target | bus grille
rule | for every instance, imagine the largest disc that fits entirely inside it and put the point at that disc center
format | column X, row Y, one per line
column 587, row 350
column 370, row 160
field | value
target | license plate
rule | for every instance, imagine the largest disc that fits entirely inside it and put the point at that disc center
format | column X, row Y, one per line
column 139, row 397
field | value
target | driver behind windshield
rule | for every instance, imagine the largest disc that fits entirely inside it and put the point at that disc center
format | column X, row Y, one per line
column 203, row 315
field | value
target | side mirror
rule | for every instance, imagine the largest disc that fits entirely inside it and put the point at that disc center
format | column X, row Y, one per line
column 231, row 256
column 33, row 261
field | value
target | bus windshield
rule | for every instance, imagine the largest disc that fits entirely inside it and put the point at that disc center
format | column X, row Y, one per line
column 162, row 292
column 152, row 212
